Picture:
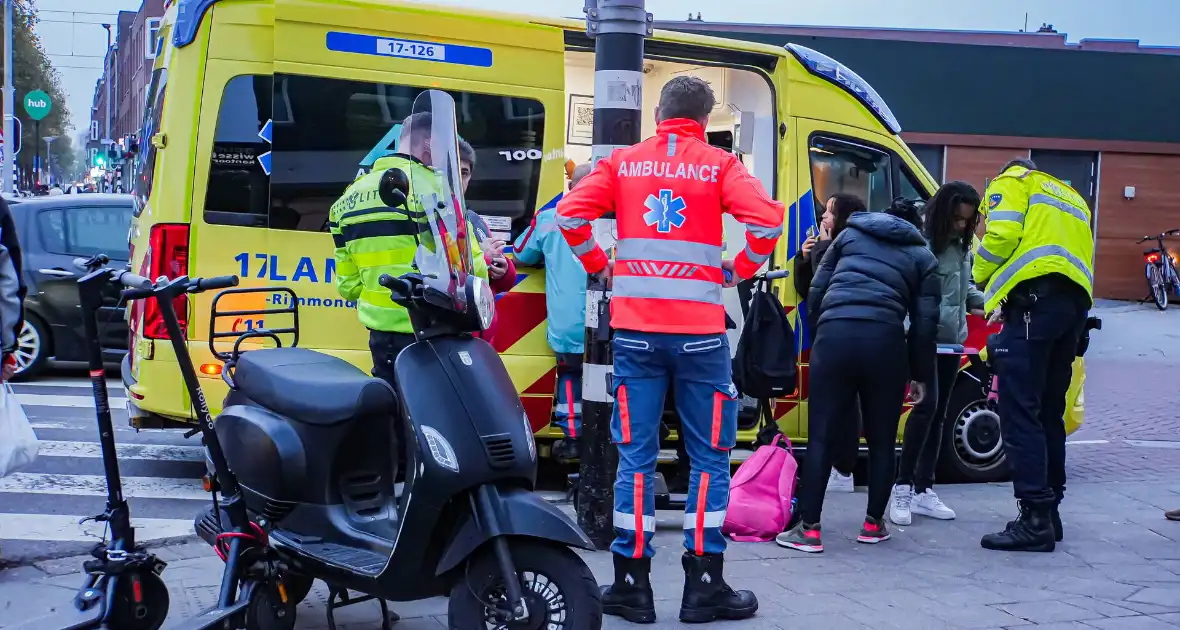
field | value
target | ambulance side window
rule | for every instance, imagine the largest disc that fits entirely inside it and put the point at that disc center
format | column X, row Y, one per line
column 839, row 166
column 145, row 163
column 325, row 132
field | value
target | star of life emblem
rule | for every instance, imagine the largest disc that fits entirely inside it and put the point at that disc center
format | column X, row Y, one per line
column 664, row 211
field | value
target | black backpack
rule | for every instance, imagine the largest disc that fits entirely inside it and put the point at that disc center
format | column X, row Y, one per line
column 764, row 366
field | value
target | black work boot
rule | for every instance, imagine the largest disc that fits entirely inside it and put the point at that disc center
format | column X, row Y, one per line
column 706, row 595
column 1031, row 531
column 630, row 596
column 1055, row 518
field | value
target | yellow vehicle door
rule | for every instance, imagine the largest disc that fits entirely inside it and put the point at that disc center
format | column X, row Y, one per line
column 291, row 137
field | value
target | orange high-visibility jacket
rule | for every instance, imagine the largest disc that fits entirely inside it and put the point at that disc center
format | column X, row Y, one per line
column 668, row 194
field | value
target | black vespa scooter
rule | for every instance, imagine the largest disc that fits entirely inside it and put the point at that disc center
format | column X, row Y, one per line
column 312, row 445
column 122, row 588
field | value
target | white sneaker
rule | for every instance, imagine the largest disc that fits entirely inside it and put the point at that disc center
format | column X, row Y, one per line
column 899, row 504
column 928, row 504
column 840, row 483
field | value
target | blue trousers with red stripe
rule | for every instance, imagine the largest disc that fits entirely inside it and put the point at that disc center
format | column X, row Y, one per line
column 699, row 369
column 568, row 411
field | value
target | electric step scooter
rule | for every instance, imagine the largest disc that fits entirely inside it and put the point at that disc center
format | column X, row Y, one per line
column 122, row 588
column 313, row 442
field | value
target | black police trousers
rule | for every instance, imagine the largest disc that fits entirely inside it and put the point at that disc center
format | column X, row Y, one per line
column 1033, row 358
column 385, row 346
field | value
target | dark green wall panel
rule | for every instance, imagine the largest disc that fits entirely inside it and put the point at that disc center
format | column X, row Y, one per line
column 1010, row 91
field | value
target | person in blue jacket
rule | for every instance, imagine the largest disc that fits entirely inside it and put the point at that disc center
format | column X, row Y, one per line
column 565, row 299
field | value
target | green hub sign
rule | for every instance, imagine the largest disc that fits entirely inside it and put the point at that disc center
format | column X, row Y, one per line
column 37, row 104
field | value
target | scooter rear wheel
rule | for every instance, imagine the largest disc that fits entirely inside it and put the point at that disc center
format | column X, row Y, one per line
column 149, row 613
column 558, row 587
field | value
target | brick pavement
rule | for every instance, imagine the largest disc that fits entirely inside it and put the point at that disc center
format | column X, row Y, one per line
column 1119, row 568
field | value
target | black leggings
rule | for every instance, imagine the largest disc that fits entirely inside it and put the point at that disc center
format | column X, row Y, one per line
column 926, row 427
column 852, row 358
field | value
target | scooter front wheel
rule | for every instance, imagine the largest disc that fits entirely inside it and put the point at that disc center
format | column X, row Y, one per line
column 144, row 608
column 559, row 589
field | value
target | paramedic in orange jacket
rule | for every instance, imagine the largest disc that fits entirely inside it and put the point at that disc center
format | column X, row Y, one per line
column 669, row 194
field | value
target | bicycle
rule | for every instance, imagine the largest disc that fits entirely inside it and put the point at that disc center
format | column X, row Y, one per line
column 1160, row 270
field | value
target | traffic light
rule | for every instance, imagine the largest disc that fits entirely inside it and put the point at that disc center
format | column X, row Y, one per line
column 100, row 160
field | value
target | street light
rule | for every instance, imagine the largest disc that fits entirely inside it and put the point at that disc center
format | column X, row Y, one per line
column 48, row 158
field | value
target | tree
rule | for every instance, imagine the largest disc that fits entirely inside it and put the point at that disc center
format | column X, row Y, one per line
column 31, row 71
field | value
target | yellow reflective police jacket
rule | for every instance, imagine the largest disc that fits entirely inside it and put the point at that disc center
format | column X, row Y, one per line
column 372, row 239
column 1036, row 225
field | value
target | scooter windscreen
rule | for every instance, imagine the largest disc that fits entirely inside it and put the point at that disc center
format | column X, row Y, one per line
column 444, row 251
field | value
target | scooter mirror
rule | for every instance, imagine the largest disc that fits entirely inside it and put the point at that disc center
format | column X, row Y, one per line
column 393, row 188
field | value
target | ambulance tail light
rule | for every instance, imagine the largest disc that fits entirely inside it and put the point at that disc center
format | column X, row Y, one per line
column 167, row 256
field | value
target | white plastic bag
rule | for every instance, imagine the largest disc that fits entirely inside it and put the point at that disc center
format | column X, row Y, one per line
column 18, row 443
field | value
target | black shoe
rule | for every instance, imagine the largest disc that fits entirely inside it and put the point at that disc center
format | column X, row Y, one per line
column 630, row 597
column 706, row 595
column 1055, row 518
column 1031, row 531
column 565, row 450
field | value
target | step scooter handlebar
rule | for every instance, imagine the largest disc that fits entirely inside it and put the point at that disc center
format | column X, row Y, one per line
column 139, row 287
column 132, row 281
column 215, row 283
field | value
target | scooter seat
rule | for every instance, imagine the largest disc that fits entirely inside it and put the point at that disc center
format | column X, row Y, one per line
column 310, row 387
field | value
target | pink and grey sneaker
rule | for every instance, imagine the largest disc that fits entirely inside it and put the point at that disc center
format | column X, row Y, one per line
column 873, row 531
column 802, row 537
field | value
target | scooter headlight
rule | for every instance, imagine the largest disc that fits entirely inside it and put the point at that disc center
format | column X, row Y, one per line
column 440, row 449
column 485, row 302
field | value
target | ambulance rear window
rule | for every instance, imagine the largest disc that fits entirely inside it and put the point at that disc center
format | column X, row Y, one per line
column 287, row 146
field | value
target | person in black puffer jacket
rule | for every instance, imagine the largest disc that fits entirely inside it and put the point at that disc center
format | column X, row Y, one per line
column 840, row 206
column 876, row 273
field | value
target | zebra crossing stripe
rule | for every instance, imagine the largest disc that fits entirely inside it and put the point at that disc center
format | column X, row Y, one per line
column 65, row 528
column 76, row 402
column 154, row 452
column 96, row 485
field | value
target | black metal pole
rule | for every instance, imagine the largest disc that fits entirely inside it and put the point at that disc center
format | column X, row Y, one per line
column 90, row 289
column 618, row 28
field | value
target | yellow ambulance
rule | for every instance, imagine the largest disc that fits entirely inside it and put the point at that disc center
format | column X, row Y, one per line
column 260, row 113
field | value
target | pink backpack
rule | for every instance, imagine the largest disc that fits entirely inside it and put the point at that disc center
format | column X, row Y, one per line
column 760, row 494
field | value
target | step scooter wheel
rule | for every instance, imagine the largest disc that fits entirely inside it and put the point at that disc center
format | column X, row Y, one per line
column 298, row 586
column 269, row 609
column 558, row 587
column 151, row 609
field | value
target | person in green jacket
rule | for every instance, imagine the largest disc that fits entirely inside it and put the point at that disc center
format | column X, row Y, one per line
column 372, row 239
column 1035, row 265
column 952, row 215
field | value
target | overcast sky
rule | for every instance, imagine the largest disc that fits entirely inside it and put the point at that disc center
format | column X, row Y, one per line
column 73, row 36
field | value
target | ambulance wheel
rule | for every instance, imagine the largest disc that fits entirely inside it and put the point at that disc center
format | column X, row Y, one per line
column 972, row 449
column 559, row 590
column 266, row 609
column 146, row 614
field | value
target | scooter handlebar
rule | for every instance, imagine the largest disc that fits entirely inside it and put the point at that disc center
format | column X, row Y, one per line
column 777, row 273
column 132, row 281
column 220, row 282
column 92, row 263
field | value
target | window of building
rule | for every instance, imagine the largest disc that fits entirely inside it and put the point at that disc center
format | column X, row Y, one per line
column 145, row 164
column 324, row 132
column 151, row 29
column 839, row 166
column 932, row 156
column 86, row 230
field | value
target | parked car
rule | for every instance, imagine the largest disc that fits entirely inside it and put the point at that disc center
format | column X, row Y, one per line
column 53, row 232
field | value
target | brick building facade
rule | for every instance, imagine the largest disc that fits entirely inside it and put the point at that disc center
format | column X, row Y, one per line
column 1097, row 113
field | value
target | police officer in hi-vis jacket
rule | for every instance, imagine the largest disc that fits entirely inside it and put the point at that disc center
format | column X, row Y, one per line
column 669, row 193
column 1035, row 264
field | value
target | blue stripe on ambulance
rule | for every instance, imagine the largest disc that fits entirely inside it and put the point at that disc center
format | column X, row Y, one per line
column 409, row 49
